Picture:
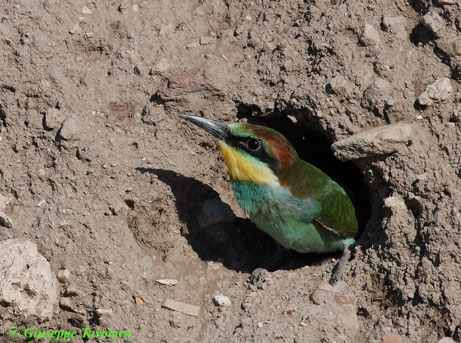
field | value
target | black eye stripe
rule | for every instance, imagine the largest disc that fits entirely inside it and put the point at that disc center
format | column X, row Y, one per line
column 260, row 152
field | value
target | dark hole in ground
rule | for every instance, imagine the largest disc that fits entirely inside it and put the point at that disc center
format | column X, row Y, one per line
column 420, row 34
column 130, row 203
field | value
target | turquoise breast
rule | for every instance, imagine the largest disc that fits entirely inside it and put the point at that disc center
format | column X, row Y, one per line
column 288, row 220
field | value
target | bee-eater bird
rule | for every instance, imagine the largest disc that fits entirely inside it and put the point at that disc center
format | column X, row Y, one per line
column 291, row 200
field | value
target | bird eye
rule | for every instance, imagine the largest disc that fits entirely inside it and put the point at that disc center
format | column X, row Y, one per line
column 253, row 144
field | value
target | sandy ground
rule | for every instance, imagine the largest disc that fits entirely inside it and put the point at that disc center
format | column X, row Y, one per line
column 100, row 173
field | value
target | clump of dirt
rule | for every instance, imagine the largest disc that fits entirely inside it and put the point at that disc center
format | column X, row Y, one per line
column 110, row 184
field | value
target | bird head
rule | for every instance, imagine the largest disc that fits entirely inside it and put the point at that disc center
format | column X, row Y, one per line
column 251, row 152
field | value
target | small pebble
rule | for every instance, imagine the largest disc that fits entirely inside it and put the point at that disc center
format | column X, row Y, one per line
column 86, row 10
column 377, row 95
column 395, row 25
column 162, row 65
column 178, row 306
column 435, row 92
column 139, row 301
column 192, row 45
column 292, row 118
column 290, row 309
column 5, row 220
column 238, row 30
column 433, row 22
column 205, row 40
column 452, row 47
column 175, row 321
column 104, row 311
column 167, row 282
column 64, row 275
column 221, row 300
column 369, row 36
column 74, row 29
column 53, row 118
column 66, row 304
column 339, row 85
column 70, row 292
column 69, row 129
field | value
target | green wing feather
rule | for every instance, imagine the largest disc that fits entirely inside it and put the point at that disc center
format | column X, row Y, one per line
column 337, row 211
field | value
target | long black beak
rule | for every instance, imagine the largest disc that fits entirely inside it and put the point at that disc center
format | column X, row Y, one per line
column 217, row 129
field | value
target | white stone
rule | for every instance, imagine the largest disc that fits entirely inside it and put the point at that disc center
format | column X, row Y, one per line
column 395, row 204
column 66, row 304
column 64, row 275
column 452, row 46
column 192, row 45
column 436, row 92
column 210, row 56
column 71, row 291
column 104, row 311
column 205, row 40
column 167, row 282
column 221, row 300
column 76, row 28
column 378, row 141
column 4, row 201
column 377, row 95
column 5, row 220
column 69, row 129
column 162, row 65
column 86, row 10
column 433, row 22
column 54, row 118
column 369, row 36
column 28, row 288
column 396, row 26
column 340, row 85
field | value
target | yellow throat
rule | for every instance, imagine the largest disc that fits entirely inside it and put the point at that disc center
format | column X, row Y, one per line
column 242, row 168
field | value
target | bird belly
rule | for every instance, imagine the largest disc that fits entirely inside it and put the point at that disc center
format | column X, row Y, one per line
column 270, row 209
column 297, row 235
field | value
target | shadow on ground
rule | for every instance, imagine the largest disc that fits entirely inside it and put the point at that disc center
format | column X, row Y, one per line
column 238, row 245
